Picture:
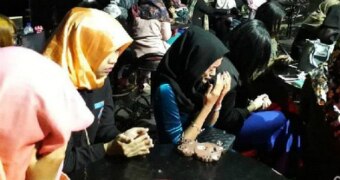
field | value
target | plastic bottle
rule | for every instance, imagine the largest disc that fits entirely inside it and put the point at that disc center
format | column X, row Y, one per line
column 28, row 29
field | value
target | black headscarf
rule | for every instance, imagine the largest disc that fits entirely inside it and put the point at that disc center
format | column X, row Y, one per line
column 184, row 64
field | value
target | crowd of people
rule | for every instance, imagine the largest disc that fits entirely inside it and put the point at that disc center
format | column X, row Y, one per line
column 60, row 101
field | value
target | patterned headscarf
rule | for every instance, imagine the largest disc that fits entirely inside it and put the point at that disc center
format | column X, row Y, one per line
column 153, row 9
column 82, row 41
column 326, row 84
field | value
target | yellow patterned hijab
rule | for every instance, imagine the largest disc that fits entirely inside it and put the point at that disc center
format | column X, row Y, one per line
column 82, row 41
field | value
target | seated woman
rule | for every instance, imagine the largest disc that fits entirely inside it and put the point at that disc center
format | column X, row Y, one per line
column 178, row 12
column 271, row 14
column 182, row 95
column 320, row 112
column 318, row 49
column 253, row 127
column 87, row 45
column 223, row 24
column 7, row 32
column 151, row 28
column 311, row 27
column 39, row 109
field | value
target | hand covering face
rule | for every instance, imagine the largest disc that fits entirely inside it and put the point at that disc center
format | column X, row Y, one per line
column 82, row 41
column 185, row 62
column 39, row 108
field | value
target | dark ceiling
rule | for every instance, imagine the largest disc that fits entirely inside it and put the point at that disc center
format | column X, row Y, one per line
column 13, row 7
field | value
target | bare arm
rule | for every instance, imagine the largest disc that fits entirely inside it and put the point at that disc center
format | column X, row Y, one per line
column 216, row 111
column 212, row 97
column 46, row 167
column 166, row 30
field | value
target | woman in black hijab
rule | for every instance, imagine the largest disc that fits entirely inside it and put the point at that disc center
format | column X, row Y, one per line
column 184, row 99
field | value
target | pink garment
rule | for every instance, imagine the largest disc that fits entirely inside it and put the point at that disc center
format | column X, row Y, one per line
column 39, row 106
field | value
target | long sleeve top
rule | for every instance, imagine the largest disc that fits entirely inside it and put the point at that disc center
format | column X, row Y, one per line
column 83, row 149
column 231, row 117
column 233, row 111
column 171, row 122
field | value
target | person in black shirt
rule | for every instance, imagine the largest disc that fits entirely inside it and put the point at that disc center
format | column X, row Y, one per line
column 87, row 45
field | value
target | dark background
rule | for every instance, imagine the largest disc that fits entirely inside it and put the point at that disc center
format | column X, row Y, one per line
column 49, row 13
column 45, row 8
column 13, row 7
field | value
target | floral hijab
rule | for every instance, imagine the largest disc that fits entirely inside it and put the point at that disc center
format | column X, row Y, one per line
column 82, row 41
column 326, row 85
column 153, row 9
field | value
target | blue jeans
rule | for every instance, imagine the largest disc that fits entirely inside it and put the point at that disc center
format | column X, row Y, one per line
column 262, row 130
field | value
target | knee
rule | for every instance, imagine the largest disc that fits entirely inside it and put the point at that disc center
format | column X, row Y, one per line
column 273, row 118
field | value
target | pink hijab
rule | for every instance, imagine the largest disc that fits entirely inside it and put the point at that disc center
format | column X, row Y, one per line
column 39, row 108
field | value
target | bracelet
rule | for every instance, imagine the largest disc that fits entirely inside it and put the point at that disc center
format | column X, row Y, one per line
column 217, row 109
column 196, row 127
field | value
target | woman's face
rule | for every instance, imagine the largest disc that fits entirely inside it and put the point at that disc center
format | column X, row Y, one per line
column 107, row 65
column 211, row 71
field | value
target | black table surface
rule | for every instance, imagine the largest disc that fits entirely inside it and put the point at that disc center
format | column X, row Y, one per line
column 165, row 163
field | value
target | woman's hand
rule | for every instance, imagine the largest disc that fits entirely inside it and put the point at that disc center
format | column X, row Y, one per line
column 281, row 60
column 261, row 101
column 135, row 132
column 226, row 88
column 46, row 167
column 2, row 172
column 266, row 102
column 214, row 93
column 285, row 58
column 131, row 143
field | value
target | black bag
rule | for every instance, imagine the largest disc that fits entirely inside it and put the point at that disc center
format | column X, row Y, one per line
column 217, row 136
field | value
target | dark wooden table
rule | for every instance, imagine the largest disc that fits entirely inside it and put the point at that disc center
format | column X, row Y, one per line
column 165, row 162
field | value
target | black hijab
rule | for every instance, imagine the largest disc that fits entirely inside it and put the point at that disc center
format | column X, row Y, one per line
column 184, row 64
